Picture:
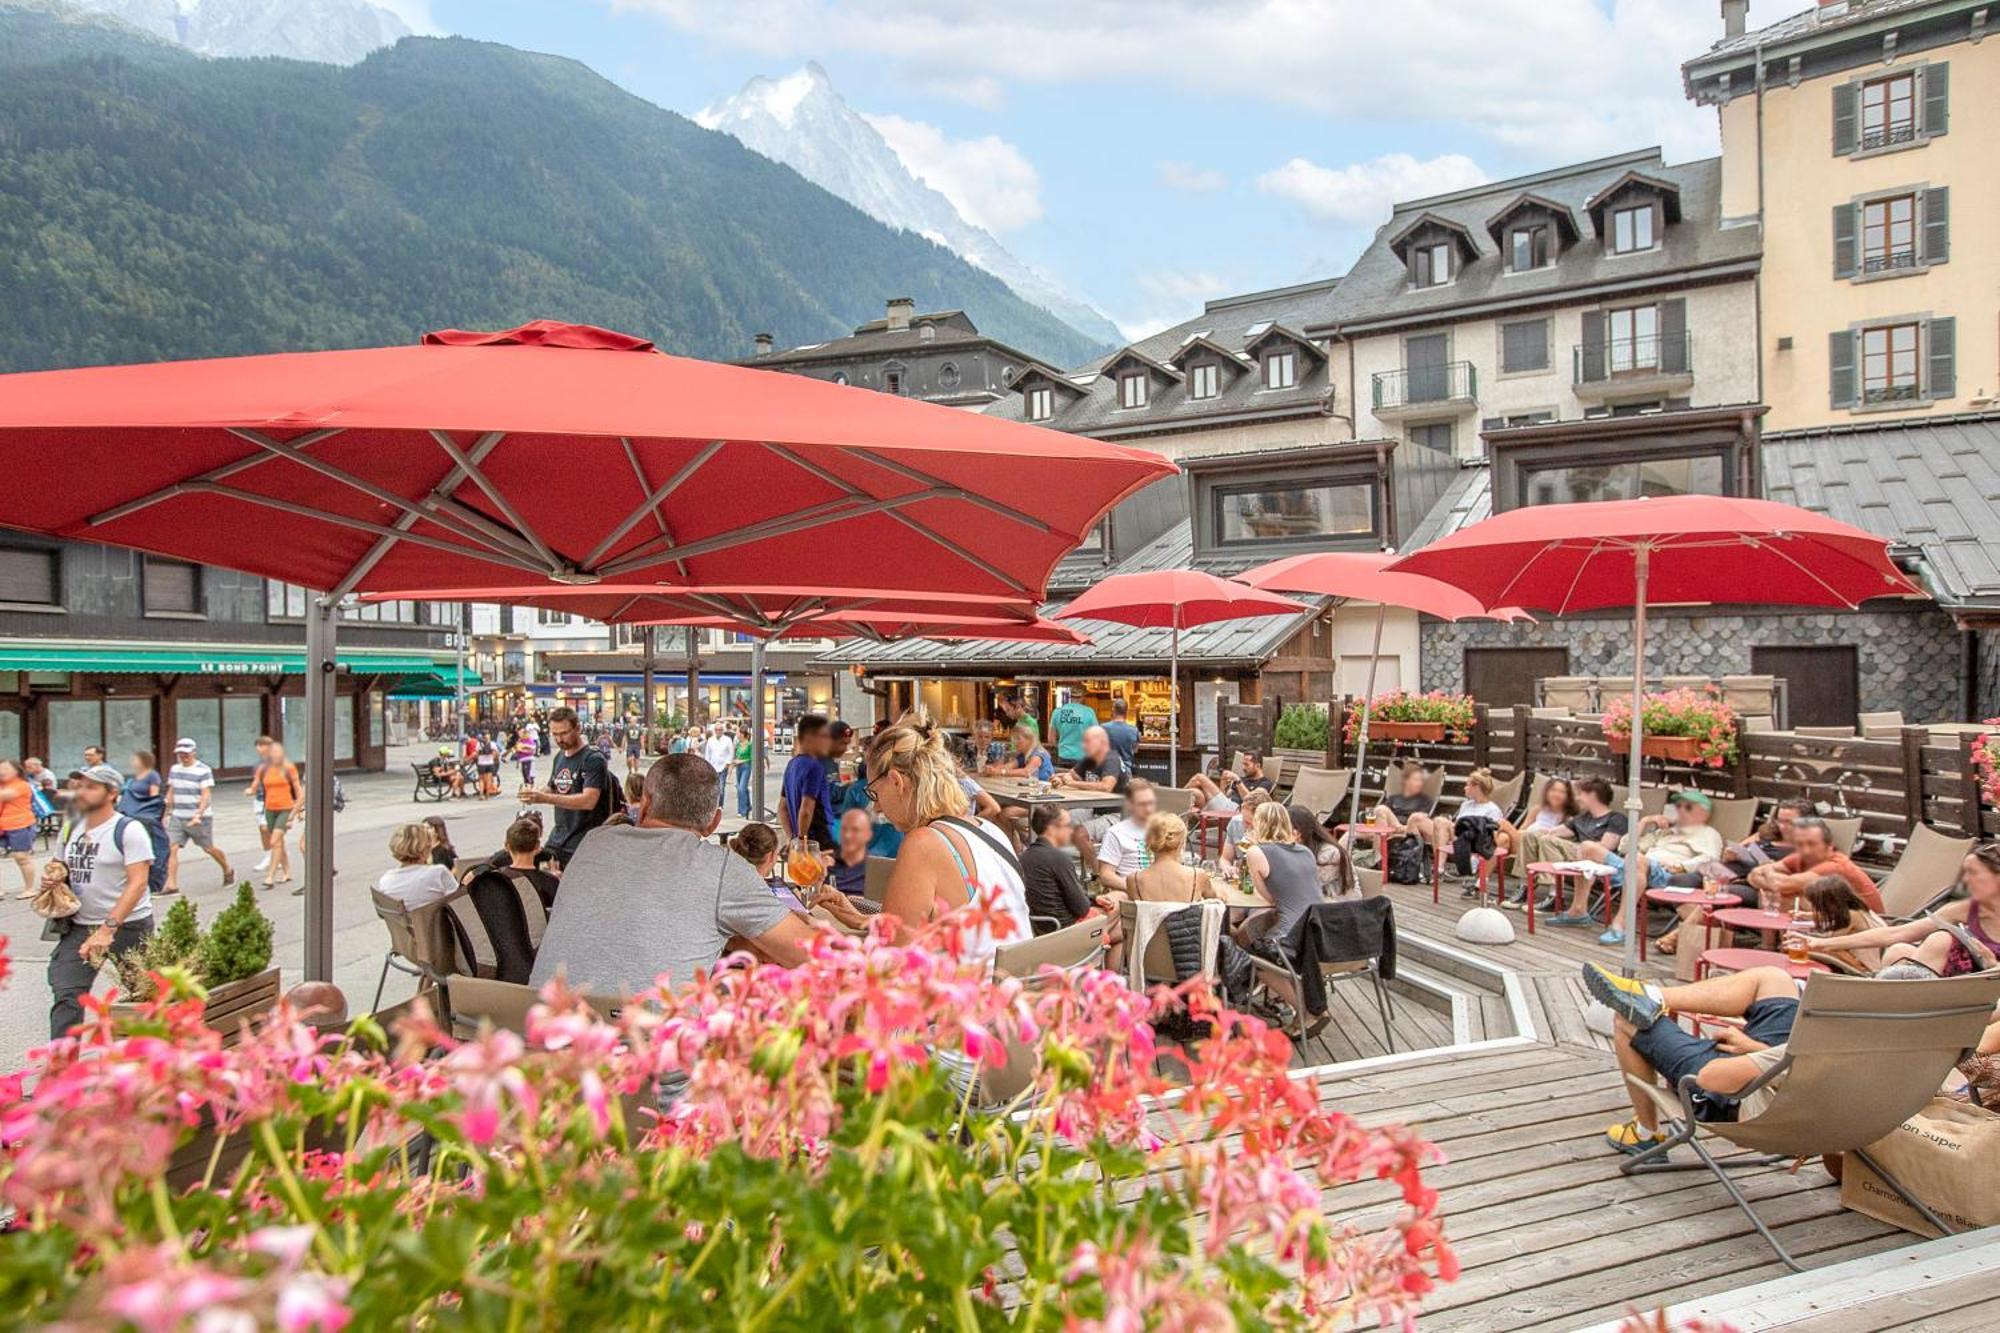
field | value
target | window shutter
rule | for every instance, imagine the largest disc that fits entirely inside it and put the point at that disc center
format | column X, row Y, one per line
column 1944, row 370
column 27, row 576
column 1592, row 368
column 1840, row 367
column 1846, row 125
column 1673, row 336
column 1846, row 248
column 1937, row 224
column 1937, row 99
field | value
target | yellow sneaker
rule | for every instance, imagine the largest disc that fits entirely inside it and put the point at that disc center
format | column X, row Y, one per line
column 1637, row 1002
column 1628, row 1138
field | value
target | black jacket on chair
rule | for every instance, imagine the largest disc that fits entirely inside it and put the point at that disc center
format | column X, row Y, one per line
column 1472, row 835
column 1349, row 932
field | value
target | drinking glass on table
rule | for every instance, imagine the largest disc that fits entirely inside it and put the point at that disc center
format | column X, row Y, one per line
column 803, row 867
column 1795, row 936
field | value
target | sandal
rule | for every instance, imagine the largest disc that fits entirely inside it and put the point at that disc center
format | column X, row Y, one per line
column 1666, row 944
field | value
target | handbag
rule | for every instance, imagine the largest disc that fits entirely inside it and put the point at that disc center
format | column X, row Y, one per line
column 56, row 901
column 1947, row 1154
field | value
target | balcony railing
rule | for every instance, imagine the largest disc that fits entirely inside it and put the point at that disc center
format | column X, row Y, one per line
column 1888, row 261
column 1453, row 381
column 1634, row 358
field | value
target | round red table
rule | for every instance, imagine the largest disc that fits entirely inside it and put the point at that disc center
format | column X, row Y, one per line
column 1772, row 924
column 1742, row 960
column 1688, row 898
column 1582, row 891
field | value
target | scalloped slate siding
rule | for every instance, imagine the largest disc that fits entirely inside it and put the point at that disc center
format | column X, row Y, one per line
column 1910, row 660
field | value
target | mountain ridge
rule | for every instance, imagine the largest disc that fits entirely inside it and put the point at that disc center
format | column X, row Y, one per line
column 335, row 32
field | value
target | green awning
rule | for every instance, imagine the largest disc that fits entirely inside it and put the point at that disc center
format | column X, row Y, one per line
column 224, row 660
column 442, row 685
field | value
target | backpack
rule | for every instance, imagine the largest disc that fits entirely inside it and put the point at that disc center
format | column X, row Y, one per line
column 339, row 797
column 1406, row 861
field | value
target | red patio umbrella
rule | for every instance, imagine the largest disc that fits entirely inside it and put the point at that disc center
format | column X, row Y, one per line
column 1364, row 576
column 1681, row 549
column 542, row 456
column 1175, row 599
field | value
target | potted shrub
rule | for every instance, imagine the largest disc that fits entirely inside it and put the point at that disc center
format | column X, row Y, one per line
column 1302, row 733
column 1683, row 726
column 1402, row 716
column 229, row 966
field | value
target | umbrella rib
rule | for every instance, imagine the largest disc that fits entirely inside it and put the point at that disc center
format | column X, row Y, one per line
column 495, row 540
column 652, row 502
column 923, row 478
column 646, row 486
column 831, row 511
column 976, row 561
column 481, row 447
column 499, row 498
column 224, row 472
column 1591, row 553
column 359, row 524
column 1764, row 545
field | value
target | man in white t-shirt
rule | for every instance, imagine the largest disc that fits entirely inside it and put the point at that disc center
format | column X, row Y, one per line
column 1121, row 849
column 107, row 855
column 720, row 752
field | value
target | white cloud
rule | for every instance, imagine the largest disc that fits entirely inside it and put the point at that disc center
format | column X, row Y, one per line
column 1562, row 78
column 1361, row 195
column 987, row 179
column 1171, row 295
column 416, row 15
column 1195, row 180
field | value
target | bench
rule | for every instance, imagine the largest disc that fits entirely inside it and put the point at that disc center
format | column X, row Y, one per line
column 430, row 787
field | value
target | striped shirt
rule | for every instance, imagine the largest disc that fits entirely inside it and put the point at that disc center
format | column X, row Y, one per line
column 189, row 781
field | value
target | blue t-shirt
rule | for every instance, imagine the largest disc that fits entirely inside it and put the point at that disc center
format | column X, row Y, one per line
column 1044, row 767
column 805, row 777
column 144, row 798
column 1067, row 725
column 1124, row 740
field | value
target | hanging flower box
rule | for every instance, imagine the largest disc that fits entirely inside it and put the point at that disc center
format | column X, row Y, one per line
column 1679, row 749
column 1684, row 726
column 1386, row 730
column 1402, row 716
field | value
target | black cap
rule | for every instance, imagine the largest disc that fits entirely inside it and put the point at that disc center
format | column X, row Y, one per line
column 839, row 729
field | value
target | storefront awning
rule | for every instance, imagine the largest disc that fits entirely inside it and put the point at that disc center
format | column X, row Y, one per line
column 221, row 660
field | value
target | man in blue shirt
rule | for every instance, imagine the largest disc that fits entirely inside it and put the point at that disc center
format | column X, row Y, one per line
column 807, row 801
column 1067, row 723
column 1124, row 736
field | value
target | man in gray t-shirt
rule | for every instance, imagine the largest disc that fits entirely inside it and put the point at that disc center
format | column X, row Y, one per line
column 658, row 897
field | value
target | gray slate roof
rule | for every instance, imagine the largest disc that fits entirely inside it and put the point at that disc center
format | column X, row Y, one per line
column 1377, row 288
column 951, row 329
column 1233, row 324
column 1226, row 643
column 1929, row 483
column 1807, row 23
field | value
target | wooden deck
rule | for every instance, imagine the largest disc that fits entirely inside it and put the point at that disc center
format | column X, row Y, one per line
column 1550, row 1234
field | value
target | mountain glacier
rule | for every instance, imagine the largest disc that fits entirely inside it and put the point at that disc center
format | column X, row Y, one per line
column 801, row 121
column 332, row 32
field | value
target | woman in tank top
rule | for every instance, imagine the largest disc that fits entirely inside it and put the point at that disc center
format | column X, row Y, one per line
column 947, row 855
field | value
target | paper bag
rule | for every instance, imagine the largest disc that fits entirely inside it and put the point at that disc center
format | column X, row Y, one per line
column 1948, row 1155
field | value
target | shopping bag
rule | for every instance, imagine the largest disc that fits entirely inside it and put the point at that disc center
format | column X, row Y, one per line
column 1948, row 1155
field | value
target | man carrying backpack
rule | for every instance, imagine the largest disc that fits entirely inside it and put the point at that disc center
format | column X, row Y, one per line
column 108, row 856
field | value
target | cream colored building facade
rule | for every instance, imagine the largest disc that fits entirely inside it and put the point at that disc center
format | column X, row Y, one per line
column 1863, row 134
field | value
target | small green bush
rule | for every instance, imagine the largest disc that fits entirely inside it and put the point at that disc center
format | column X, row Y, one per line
column 1301, row 727
column 238, row 945
column 173, row 945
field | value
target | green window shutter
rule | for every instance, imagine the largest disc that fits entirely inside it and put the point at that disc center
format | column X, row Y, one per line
column 1846, row 244
column 1943, row 359
column 1937, row 99
column 1592, row 368
column 1840, row 367
column 1846, row 122
column 1937, row 224
column 1673, row 336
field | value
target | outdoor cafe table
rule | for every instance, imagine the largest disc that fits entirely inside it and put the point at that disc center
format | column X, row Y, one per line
column 1742, row 960
column 1689, row 898
column 1755, row 918
column 1023, row 792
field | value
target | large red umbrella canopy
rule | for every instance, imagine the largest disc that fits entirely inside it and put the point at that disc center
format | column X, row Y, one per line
column 1363, row 576
column 1175, row 599
column 548, row 454
column 761, row 610
column 1699, row 549
column 885, row 625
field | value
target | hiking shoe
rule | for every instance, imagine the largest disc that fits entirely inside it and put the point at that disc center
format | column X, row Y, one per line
column 1629, row 1139
column 1637, row 1002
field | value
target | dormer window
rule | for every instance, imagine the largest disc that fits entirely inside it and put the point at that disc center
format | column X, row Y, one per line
column 1132, row 389
column 892, row 381
column 1430, row 265
column 1041, row 403
column 1281, row 369
column 1528, row 248
column 1204, row 380
column 926, row 332
column 1632, row 229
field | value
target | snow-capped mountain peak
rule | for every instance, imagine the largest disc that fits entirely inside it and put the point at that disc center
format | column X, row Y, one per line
column 333, row 32
column 799, row 119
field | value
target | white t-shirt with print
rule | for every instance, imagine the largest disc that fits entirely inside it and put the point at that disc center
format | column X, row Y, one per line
column 97, row 867
column 1123, row 847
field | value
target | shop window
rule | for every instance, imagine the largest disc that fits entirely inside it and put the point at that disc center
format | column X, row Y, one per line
column 1269, row 511
column 118, row 726
column 1698, row 474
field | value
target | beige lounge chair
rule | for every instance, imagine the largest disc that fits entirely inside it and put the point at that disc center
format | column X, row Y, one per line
column 420, row 942
column 1173, row 800
column 1734, row 817
column 1758, row 724
column 1925, row 872
column 1323, row 791
column 1864, row 1056
column 1566, row 692
column 1881, row 726
column 1845, row 833
column 1826, row 733
column 1751, row 695
column 875, row 877
column 1433, row 781
column 1073, row 949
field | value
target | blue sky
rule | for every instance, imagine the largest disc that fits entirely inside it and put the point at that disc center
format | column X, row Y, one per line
column 1151, row 153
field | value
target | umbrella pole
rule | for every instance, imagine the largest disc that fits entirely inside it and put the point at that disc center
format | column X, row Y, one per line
column 646, row 685
column 1361, row 750
column 317, row 855
column 1174, row 705
column 1629, row 906
column 757, row 728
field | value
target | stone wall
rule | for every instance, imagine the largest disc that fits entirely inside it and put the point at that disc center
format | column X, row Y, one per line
column 1989, row 674
column 1909, row 659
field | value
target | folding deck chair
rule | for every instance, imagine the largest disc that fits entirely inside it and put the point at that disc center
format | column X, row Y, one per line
column 1864, row 1056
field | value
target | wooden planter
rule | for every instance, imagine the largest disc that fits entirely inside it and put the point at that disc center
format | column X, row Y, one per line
column 1677, row 749
column 1385, row 730
column 230, row 1006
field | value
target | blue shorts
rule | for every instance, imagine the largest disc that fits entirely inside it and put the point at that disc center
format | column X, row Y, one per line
column 1656, row 874
column 1675, row 1052
column 18, row 839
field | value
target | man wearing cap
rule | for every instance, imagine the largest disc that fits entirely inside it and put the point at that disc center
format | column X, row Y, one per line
column 107, row 855
column 1670, row 844
column 190, row 790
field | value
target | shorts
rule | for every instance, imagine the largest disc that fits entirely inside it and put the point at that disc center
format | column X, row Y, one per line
column 181, row 832
column 18, row 839
column 1676, row 1053
column 1099, row 825
column 277, row 819
column 1656, row 874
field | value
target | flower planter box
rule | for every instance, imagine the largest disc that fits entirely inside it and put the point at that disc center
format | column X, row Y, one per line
column 1384, row 729
column 229, row 1007
column 1679, row 749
